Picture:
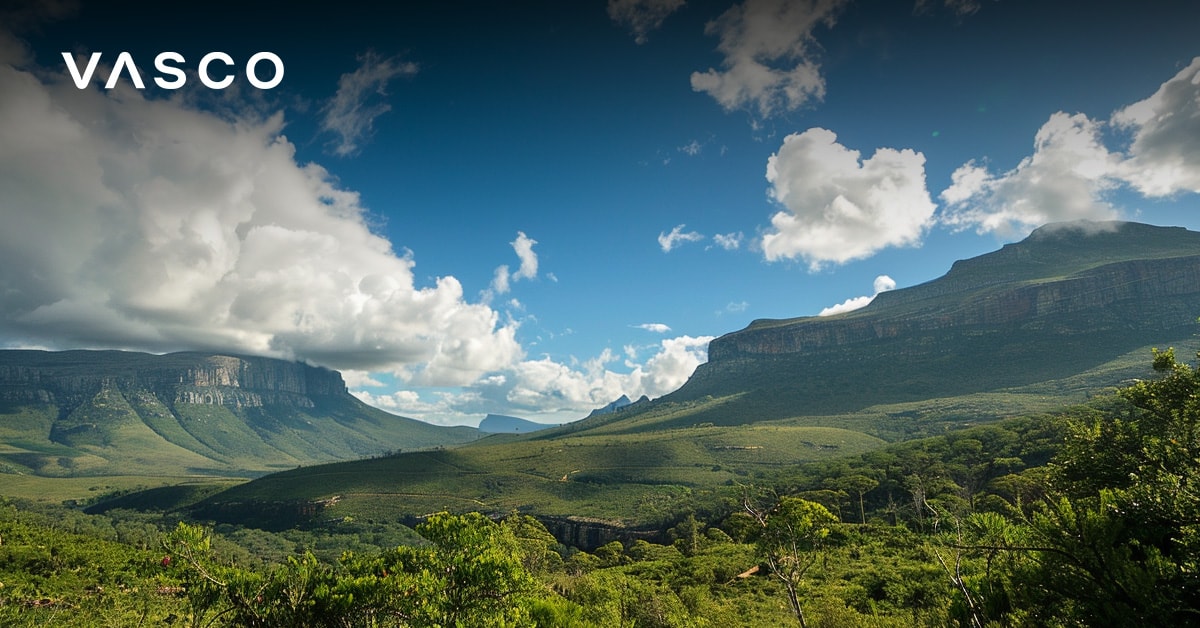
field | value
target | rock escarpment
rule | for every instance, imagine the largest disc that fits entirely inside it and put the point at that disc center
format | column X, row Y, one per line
column 69, row 378
column 1144, row 294
column 1066, row 299
column 77, row 413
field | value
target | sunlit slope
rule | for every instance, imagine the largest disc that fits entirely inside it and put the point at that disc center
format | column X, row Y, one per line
column 635, row 478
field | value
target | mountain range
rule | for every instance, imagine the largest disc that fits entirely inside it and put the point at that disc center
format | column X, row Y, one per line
column 1055, row 319
column 1064, row 315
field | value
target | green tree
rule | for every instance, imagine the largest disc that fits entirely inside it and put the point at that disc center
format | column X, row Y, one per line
column 793, row 533
column 1116, row 540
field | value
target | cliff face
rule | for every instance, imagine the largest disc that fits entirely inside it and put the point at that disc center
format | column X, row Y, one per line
column 1149, row 294
column 68, row 378
column 76, row 413
column 1066, row 300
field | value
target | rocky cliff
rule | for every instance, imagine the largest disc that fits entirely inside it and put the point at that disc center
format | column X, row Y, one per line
column 1161, row 294
column 113, row 412
column 1066, row 299
column 69, row 378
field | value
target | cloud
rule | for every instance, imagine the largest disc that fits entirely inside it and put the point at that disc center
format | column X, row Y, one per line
column 554, row 391
column 1164, row 155
column 669, row 241
column 502, row 278
column 642, row 16
column 523, row 246
column 657, row 328
column 351, row 113
column 691, row 149
column 1064, row 179
column 146, row 224
column 1072, row 172
column 838, row 208
column 883, row 283
column 768, row 49
column 729, row 241
column 548, row 386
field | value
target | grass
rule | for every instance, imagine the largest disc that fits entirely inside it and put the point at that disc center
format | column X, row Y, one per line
column 88, row 489
column 629, row 478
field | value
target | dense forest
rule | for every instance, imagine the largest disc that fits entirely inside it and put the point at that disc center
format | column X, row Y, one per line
column 1090, row 516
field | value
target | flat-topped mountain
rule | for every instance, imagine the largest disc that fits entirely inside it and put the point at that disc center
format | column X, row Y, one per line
column 108, row 412
column 1069, row 297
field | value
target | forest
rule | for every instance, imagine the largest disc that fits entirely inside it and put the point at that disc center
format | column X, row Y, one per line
column 1087, row 516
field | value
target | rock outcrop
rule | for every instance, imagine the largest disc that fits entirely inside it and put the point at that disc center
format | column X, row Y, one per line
column 69, row 378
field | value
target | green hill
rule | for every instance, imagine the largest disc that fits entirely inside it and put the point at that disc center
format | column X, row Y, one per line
column 94, row 413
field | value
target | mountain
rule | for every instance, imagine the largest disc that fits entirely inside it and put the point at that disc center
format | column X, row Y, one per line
column 500, row 424
column 1069, row 298
column 1067, row 313
column 622, row 402
column 113, row 412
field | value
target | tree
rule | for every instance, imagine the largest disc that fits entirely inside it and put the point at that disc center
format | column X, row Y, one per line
column 1116, row 539
column 793, row 534
column 859, row 484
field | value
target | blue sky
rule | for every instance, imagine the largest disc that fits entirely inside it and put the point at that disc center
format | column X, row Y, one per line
column 532, row 208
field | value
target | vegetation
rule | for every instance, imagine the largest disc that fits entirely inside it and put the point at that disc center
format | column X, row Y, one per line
column 1086, row 517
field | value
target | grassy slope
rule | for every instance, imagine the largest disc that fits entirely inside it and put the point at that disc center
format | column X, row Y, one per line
column 635, row 468
column 135, row 433
column 628, row 477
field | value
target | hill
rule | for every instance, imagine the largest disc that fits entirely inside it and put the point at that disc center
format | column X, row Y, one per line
column 1066, row 314
column 500, row 424
column 90, row 413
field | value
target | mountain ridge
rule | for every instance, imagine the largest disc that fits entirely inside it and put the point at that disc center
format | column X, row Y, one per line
column 102, row 412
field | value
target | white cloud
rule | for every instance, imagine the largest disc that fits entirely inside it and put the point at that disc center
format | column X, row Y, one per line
column 883, row 283
column 549, row 386
column 523, row 246
column 658, row 328
column 360, row 379
column 642, row 16
column 500, row 282
column 178, row 229
column 502, row 278
column 691, row 149
column 729, row 241
column 838, row 208
column 351, row 113
column 1065, row 178
column 768, row 49
column 1071, row 172
column 1164, row 156
column 669, row 241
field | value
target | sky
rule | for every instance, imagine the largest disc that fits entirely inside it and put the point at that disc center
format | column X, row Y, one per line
column 531, row 208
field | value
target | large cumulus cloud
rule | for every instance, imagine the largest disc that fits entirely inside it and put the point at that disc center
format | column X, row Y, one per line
column 145, row 223
column 838, row 207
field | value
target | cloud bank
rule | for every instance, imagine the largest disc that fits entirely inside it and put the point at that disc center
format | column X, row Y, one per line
column 145, row 224
column 1073, row 171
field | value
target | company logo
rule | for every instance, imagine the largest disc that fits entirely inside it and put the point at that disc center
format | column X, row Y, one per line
column 172, row 76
